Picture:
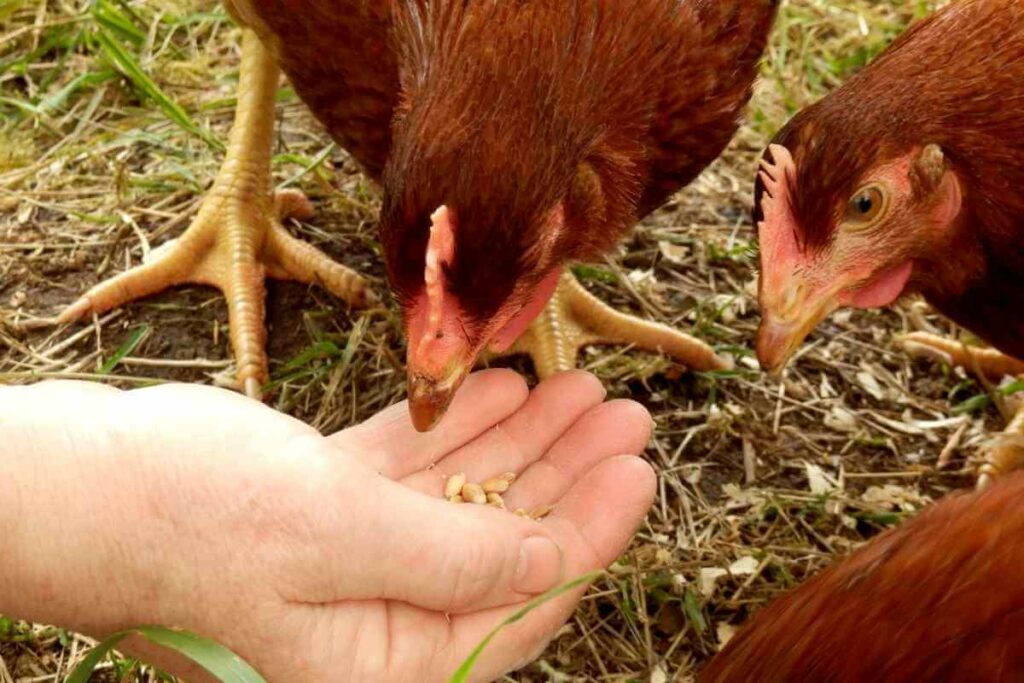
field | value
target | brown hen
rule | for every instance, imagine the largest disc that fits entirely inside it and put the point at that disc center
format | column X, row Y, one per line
column 510, row 139
column 908, row 178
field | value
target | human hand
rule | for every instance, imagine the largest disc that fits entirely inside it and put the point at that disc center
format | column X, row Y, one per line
column 314, row 558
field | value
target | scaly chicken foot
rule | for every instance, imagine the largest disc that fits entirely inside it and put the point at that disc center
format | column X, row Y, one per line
column 575, row 318
column 992, row 363
column 237, row 239
column 1006, row 453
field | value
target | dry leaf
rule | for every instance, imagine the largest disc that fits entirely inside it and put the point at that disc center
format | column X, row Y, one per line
column 819, row 482
column 869, row 384
column 725, row 633
column 709, row 576
column 841, row 420
column 674, row 253
column 894, row 497
column 745, row 566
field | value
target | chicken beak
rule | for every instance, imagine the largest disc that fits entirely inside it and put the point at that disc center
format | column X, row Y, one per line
column 789, row 315
column 430, row 396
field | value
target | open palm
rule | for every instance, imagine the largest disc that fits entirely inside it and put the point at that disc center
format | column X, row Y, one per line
column 324, row 558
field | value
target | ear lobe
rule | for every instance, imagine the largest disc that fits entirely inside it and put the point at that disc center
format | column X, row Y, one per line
column 927, row 171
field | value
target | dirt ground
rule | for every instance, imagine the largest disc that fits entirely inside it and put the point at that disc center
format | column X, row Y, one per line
column 762, row 482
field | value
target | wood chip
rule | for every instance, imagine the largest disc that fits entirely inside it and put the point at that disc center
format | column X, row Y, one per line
column 870, row 385
column 749, row 462
column 841, row 420
column 495, row 500
column 951, row 446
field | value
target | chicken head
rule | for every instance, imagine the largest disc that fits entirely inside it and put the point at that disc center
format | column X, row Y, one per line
column 854, row 243
column 445, row 338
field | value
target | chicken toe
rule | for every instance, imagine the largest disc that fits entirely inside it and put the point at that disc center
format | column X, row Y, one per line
column 1005, row 454
column 989, row 362
column 237, row 239
column 575, row 318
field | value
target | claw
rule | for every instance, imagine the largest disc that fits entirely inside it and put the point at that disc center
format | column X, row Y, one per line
column 253, row 389
column 236, row 238
column 575, row 318
column 76, row 311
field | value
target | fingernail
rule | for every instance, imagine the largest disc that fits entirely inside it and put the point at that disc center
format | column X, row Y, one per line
column 540, row 566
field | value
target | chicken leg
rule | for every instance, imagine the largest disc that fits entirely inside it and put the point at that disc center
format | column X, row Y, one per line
column 575, row 318
column 237, row 238
column 1006, row 454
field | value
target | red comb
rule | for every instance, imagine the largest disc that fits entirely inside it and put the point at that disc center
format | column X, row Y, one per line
column 775, row 231
column 440, row 250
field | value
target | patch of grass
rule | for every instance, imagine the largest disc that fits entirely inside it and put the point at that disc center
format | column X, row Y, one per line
column 979, row 402
column 214, row 658
column 465, row 669
column 133, row 341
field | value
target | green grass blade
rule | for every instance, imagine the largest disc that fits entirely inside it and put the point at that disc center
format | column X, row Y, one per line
column 9, row 7
column 982, row 401
column 355, row 337
column 52, row 103
column 26, row 107
column 1012, row 388
column 461, row 675
column 319, row 159
column 130, row 345
column 216, row 659
column 84, row 670
column 593, row 273
column 109, row 17
column 321, row 350
column 123, row 61
column 691, row 608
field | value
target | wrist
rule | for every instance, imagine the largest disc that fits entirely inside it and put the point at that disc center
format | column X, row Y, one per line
column 57, row 539
column 15, row 475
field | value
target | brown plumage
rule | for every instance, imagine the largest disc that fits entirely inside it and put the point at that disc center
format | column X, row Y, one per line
column 906, row 179
column 545, row 127
column 955, row 81
column 939, row 598
column 496, row 107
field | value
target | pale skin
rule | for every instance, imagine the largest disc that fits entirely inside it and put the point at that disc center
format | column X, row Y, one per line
column 314, row 558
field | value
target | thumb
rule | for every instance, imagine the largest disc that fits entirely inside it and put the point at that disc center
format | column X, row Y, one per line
column 437, row 555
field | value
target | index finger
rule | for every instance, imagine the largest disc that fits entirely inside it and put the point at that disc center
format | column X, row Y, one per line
column 389, row 444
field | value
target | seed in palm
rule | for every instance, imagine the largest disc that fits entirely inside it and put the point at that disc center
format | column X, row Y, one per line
column 540, row 512
column 474, row 493
column 458, row 489
column 453, row 487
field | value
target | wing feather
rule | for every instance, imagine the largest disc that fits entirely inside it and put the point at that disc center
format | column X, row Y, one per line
column 342, row 62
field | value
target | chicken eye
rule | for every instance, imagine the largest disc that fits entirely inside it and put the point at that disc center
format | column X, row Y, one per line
column 866, row 207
